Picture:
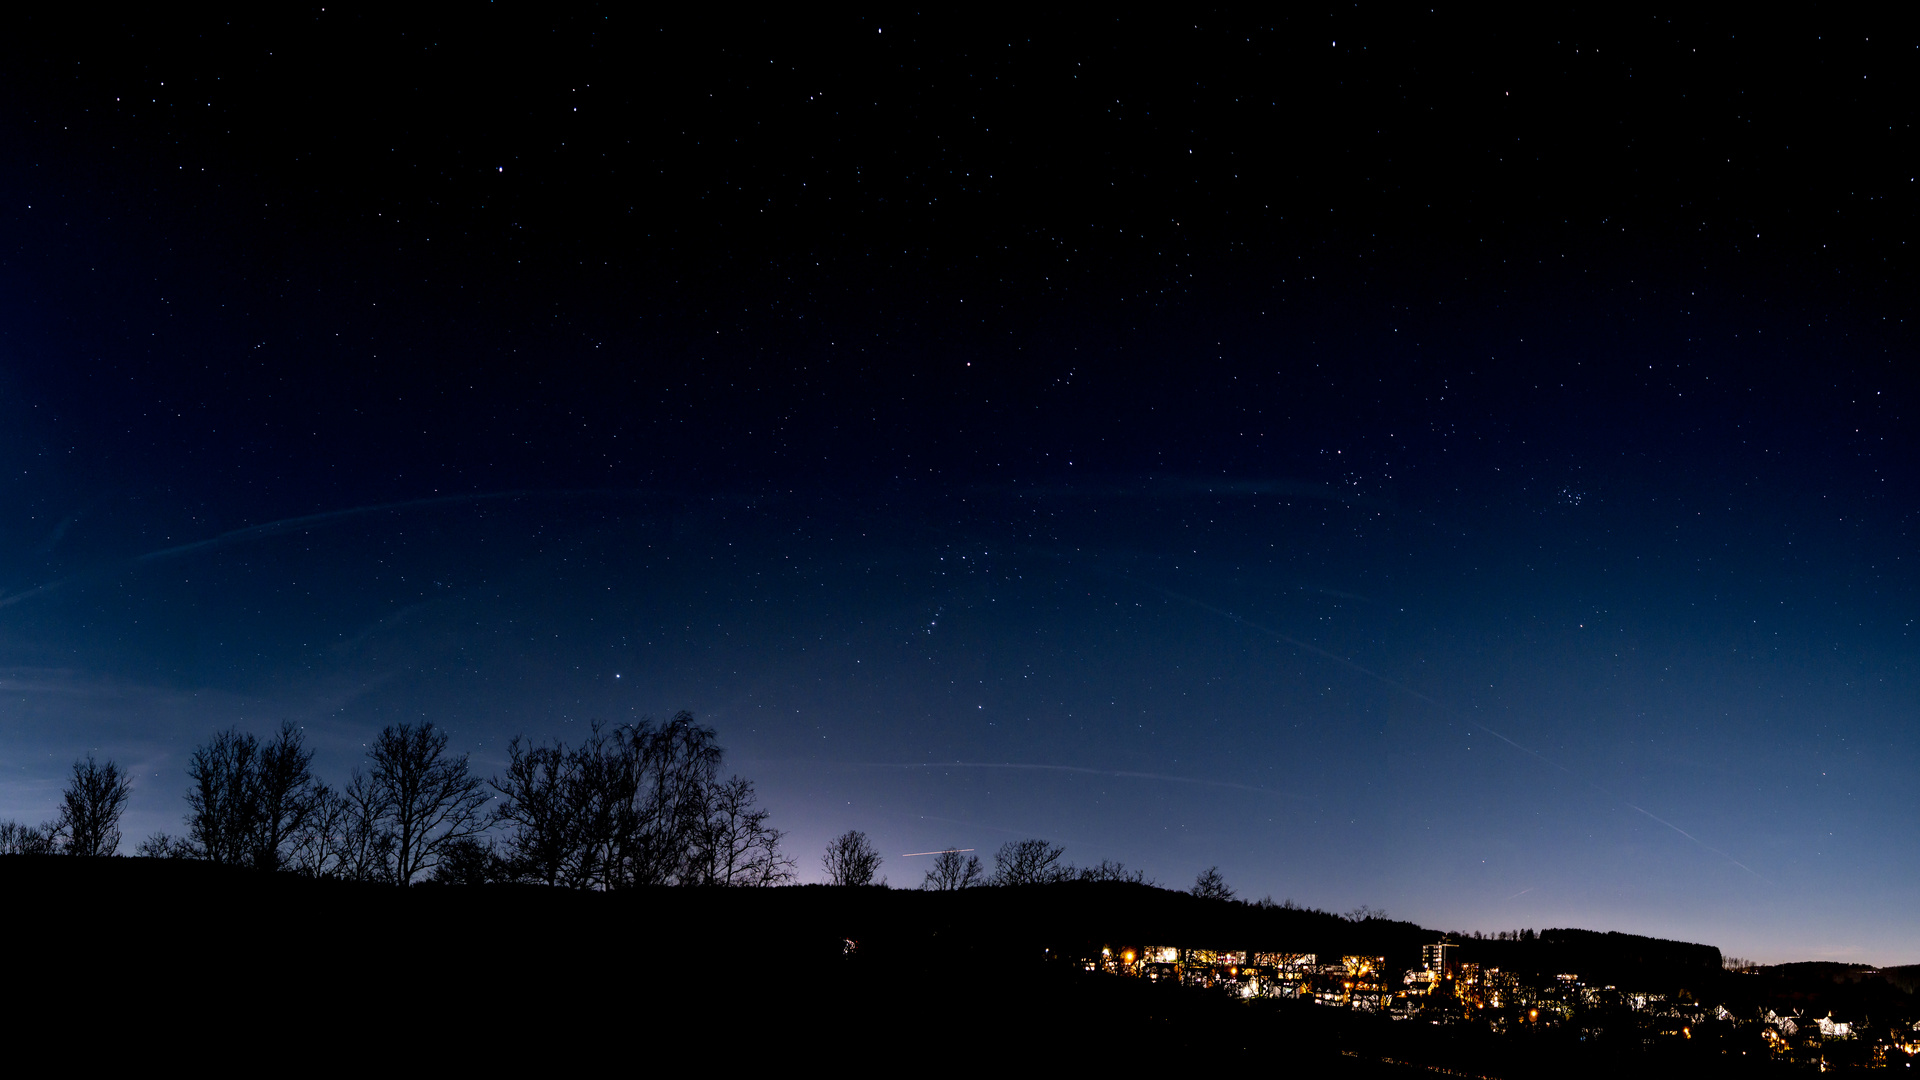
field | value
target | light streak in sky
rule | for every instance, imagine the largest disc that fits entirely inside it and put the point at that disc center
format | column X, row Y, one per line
column 1123, row 774
column 295, row 524
column 1441, row 706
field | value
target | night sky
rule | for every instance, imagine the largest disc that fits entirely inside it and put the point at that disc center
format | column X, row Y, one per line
column 1461, row 468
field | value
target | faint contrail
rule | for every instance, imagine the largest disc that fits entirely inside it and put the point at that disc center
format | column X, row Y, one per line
column 274, row 528
column 1411, row 692
column 942, row 851
column 1681, row 831
column 1341, row 660
column 294, row 524
column 1072, row 769
column 9, row 601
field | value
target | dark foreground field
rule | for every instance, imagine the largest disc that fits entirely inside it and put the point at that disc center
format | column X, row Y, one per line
column 174, row 959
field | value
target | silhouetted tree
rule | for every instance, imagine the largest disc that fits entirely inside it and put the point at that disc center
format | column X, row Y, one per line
column 641, row 804
column 363, row 845
column 416, row 799
column 1209, row 885
column 851, row 860
column 249, row 801
column 220, row 802
column 610, row 796
column 90, row 808
column 953, row 870
column 17, row 838
column 1029, row 862
column 543, row 800
column 318, row 848
column 468, row 861
column 736, row 845
column 162, row 845
column 1114, row 871
column 283, row 796
column 664, row 773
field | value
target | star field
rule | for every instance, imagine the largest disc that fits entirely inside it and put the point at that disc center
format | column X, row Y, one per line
column 1453, row 466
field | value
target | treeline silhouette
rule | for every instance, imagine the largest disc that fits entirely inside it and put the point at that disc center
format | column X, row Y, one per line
column 851, row 859
column 635, row 805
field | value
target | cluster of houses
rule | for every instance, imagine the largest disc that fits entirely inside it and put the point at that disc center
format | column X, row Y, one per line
column 1444, row 987
column 1353, row 982
column 1811, row 1040
column 1358, row 982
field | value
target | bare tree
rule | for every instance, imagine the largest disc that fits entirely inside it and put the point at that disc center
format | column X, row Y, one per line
column 641, row 804
column 1114, row 871
column 1209, row 885
column 1029, row 862
column 424, row 799
column 163, row 845
column 283, row 796
column 248, row 801
column 664, row 773
column 737, row 846
column 363, row 845
column 468, row 861
column 542, row 799
column 220, row 802
column 90, row 808
column 851, row 860
column 319, row 846
column 18, row 838
column 953, row 870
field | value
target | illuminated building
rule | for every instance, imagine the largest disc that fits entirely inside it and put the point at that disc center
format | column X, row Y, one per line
column 1500, row 989
column 1364, row 982
column 1287, row 966
column 1437, row 957
column 1364, row 968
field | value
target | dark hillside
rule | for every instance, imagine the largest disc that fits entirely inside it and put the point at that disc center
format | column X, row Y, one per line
column 1853, row 992
column 497, row 973
column 181, row 954
column 1610, row 959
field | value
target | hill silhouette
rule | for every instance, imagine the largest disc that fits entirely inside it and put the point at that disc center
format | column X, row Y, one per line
column 498, row 973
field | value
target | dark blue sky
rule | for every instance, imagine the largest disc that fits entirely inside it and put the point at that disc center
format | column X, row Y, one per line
column 1457, row 469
